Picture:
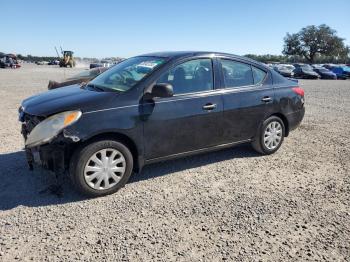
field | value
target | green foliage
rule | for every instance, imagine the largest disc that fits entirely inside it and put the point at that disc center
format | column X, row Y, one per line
column 319, row 59
column 314, row 42
column 267, row 58
column 36, row 58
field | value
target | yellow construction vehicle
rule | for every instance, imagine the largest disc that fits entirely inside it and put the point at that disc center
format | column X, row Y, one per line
column 67, row 59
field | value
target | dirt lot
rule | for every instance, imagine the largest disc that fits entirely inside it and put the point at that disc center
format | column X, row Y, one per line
column 228, row 205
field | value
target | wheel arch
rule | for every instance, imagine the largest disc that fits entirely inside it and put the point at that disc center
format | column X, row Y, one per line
column 122, row 138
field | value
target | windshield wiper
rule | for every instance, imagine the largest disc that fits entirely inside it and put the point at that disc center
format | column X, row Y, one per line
column 99, row 88
column 96, row 87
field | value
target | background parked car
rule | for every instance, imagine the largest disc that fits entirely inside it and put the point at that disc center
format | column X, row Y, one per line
column 103, row 63
column 339, row 71
column 283, row 70
column 54, row 62
column 305, row 71
column 84, row 76
column 346, row 70
column 291, row 67
column 42, row 62
column 9, row 61
column 325, row 73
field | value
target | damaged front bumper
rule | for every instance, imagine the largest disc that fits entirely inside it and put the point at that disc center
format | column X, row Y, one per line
column 53, row 156
column 50, row 151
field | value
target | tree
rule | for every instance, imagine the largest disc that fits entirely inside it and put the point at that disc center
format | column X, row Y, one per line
column 312, row 41
column 267, row 58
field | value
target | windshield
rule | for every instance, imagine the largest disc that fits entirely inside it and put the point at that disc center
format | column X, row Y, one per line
column 126, row 74
column 307, row 68
column 289, row 67
column 283, row 68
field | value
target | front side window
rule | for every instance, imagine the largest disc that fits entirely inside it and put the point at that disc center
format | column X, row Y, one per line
column 236, row 74
column 126, row 74
column 188, row 77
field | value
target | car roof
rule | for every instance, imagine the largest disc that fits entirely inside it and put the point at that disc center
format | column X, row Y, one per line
column 179, row 54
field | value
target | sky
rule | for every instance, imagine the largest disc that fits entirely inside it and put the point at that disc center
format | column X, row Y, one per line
column 102, row 28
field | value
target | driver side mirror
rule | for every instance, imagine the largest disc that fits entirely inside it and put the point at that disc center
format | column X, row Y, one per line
column 162, row 90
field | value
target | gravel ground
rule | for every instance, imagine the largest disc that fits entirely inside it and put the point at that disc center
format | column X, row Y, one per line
column 227, row 205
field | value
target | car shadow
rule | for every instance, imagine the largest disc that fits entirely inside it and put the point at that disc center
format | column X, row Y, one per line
column 21, row 187
column 177, row 165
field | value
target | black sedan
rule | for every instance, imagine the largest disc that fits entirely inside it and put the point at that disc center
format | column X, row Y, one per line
column 284, row 71
column 305, row 72
column 156, row 107
column 325, row 73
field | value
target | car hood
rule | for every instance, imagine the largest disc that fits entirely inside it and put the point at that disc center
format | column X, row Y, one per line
column 66, row 98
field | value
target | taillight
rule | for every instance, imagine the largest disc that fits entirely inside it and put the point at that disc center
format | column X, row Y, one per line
column 298, row 91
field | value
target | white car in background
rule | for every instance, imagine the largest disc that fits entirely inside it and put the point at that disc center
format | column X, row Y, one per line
column 288, row 66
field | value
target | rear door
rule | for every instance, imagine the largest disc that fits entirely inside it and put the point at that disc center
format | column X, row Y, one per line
column 247, row 96
column 191, row 119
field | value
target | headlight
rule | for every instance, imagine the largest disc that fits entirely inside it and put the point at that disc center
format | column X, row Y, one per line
column 45, row 131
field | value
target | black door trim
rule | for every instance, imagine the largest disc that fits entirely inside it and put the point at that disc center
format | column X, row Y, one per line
column 194, row 152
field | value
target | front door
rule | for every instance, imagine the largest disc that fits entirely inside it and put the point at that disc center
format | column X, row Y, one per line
column 191, row 119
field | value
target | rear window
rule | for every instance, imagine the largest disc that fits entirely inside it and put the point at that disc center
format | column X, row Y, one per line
column 236, row 74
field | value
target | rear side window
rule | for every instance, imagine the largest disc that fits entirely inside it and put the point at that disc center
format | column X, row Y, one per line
column 189, row 77
column 259, row 75
column 236, row 74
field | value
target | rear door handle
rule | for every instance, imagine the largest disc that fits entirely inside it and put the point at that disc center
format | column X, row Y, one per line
column 209, row 106
column 266, row 99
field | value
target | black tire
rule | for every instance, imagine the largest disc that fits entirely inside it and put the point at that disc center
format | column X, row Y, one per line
column 258, row 143
column 79, row 161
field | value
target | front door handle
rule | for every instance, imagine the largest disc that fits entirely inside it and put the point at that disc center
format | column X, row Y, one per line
column 266, row 99
column 209, row 106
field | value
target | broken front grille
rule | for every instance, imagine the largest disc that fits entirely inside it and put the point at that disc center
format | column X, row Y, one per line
column 28, row 122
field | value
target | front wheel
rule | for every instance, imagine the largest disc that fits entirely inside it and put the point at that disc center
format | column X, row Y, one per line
column 270, row 136
column 101, row 168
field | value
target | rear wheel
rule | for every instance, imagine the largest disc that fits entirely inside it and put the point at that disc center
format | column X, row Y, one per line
column 101, row 168
column 270, row 136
